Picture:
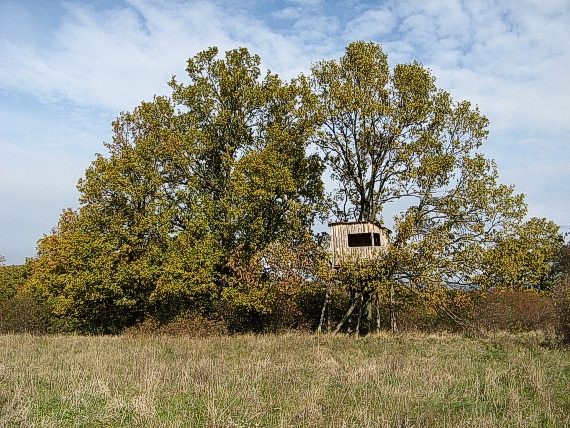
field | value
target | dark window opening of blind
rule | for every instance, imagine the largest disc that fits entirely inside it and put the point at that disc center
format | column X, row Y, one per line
column 376, row 239
column 360, row 240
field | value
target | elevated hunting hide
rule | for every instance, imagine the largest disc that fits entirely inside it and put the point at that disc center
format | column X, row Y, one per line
column 357, row 239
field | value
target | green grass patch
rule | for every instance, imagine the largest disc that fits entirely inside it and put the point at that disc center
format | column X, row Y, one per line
column 288, row 380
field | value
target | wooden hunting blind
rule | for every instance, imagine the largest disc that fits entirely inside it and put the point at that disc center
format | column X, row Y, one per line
column 356, row 240
column 360, row 239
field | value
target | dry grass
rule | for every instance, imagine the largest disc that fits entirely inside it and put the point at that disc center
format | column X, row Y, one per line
column 282, row 381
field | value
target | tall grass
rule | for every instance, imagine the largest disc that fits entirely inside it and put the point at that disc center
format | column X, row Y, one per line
column 289, row 380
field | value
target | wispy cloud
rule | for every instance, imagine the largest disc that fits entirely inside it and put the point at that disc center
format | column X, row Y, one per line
column 371, row 25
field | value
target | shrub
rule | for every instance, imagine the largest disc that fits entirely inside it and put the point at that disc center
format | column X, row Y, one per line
column 513, row 311
column 472, row 312
column 188, row 324
column 24, row 315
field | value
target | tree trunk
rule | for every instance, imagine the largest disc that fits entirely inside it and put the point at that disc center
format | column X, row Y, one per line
column 325, row 311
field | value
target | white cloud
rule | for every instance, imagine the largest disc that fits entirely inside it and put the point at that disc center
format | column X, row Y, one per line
column 115, row 58
column 288, row 13
column 371, row 24
column 310, row 3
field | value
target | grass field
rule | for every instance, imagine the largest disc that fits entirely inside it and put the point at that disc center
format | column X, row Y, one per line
column 283, row 381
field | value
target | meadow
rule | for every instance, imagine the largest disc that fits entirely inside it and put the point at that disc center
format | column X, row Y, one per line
column 287, row 380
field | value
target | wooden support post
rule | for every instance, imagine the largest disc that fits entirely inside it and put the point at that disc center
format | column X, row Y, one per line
column 348, row 313
column 329, row 315
column 359, row 315
column 393, row 323
column 377, row 300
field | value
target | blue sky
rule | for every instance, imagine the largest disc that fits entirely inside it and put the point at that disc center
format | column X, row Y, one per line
column 68, row 68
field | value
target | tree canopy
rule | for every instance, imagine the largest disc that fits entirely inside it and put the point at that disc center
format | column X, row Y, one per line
column 222, row 179
column 189, row 179
column 393, row 135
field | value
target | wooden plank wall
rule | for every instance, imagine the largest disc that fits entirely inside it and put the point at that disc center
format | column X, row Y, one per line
column 339, row 240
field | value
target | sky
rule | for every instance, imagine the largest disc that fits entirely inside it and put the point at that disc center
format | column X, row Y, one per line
column 68, row 68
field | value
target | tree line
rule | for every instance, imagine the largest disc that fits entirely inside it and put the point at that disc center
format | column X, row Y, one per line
column 207, row 199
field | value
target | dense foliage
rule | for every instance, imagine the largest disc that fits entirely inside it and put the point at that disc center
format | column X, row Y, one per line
column 206, row 202
column 190, row 180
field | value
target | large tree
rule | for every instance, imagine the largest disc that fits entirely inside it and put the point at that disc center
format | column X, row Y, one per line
column 393, row 135
column 188, row 180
